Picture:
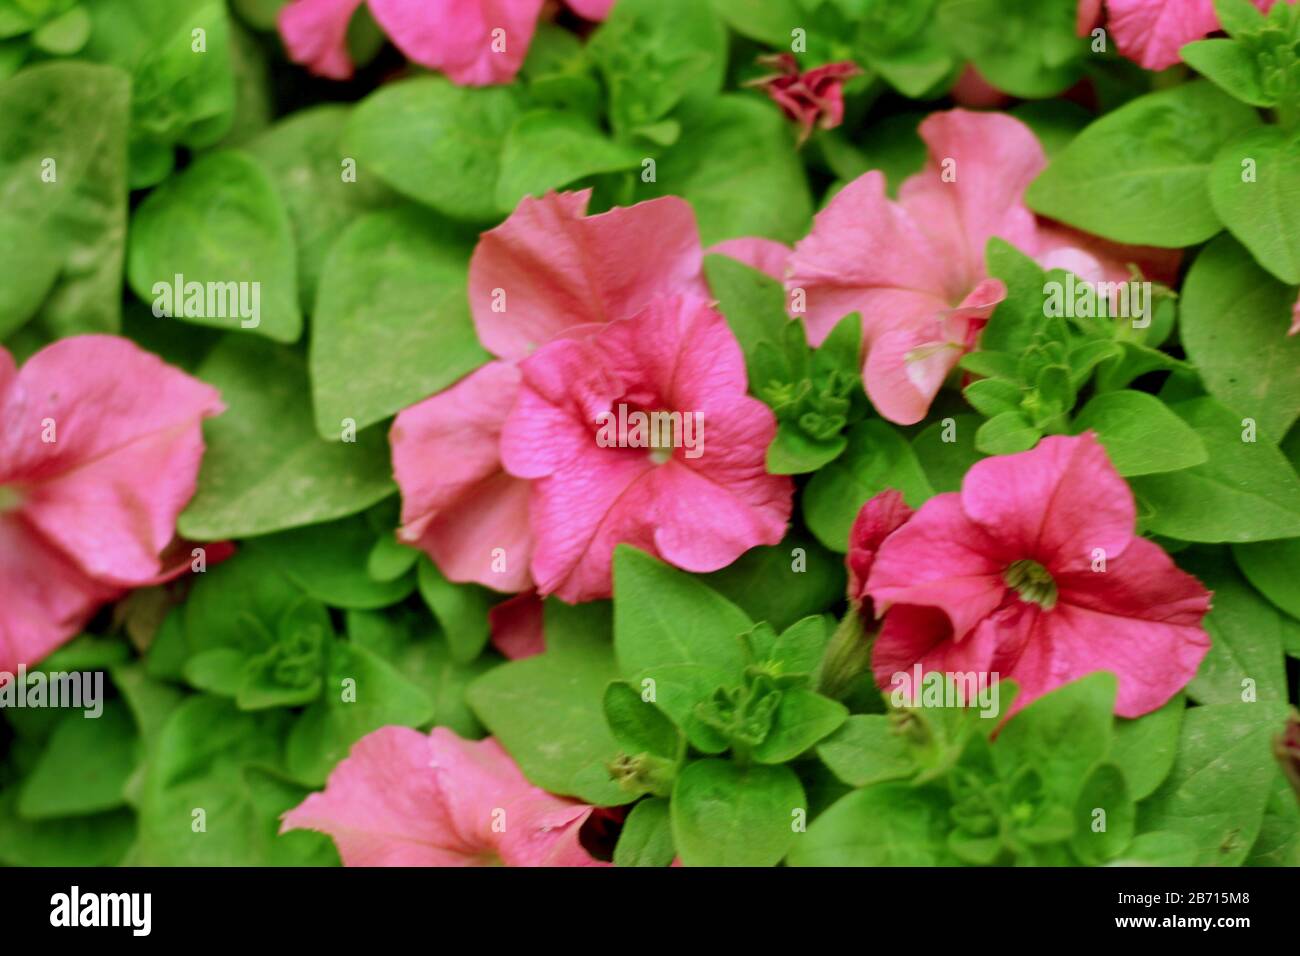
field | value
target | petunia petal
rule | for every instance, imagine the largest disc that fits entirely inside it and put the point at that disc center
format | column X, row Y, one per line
column 549, row 267
column 458, row 503
column 1061, row 503
column 122, row 455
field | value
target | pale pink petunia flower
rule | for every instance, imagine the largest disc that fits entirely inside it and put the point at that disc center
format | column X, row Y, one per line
column 1033, row 572
column 100, row 445
column 697, row 500
column 914, row 268
column 1295, row 318
column 403, row 798
column 811, row 98
column 1151, row 32
column 474, row 42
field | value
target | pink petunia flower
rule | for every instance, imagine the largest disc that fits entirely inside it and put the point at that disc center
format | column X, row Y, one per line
column 474, row 42
column 1295, row 318
column 548, row 271
column 518, row 626
column 697, row 498
column 1033, row 572
column 551, row 269
column 458, row 504
column 880, row 517
column 100, row 444
column 811, row 98
column 914, row 269
column 1151, row 32
column 403, row 798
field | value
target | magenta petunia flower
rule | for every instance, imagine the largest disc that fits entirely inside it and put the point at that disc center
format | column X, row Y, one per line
column 696, row 493
column 403, row 798
column 474, row 42
column 914, row 269
column 1033, row 572
column 811, row 98
column 880, row 517
column 100, row 444
column 1151, row 32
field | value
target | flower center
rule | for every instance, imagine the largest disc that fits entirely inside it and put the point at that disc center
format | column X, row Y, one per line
column 10, row 500
column 1032, row 582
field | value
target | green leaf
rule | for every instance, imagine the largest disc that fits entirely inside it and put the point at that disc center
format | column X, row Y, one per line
column 547, row 149
column 408, row 643
column 1230, row 66
column 1264, row 210
column 548, row 712
column 265, row 468
column 65, row 34
column 438, row 143
column 303, row 155
column 392, row 322
column 769, row 21
column 61, row 242
column 647, row 837
column 752, row 303
column 1245, row 638
column 461, row 609
column 221, row 228
column 638, row 725
column 1216, row 794
column 99, row 840
column 84, row 768
column 330, row 562
column 725, row 815
column 1234, row 318
column 1140, row 174
column 782, row 583
column 215, row 759
column 1026, row 49
column 1140, row 434
column 1145, row 747
column 1061, row 734
column 802, row 718
column 735, row 163
column 652, row 53
column 1271, row 567
column 673, row 630
column 1006, row 434
column 946, row 462
column 889, row 824
column 1247, row 491
column 1158, row 848
column 878, row 457
column 867, row 750
column 362, row 693
column 1097, row 837
column 389, row 559
column 1278, row 843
